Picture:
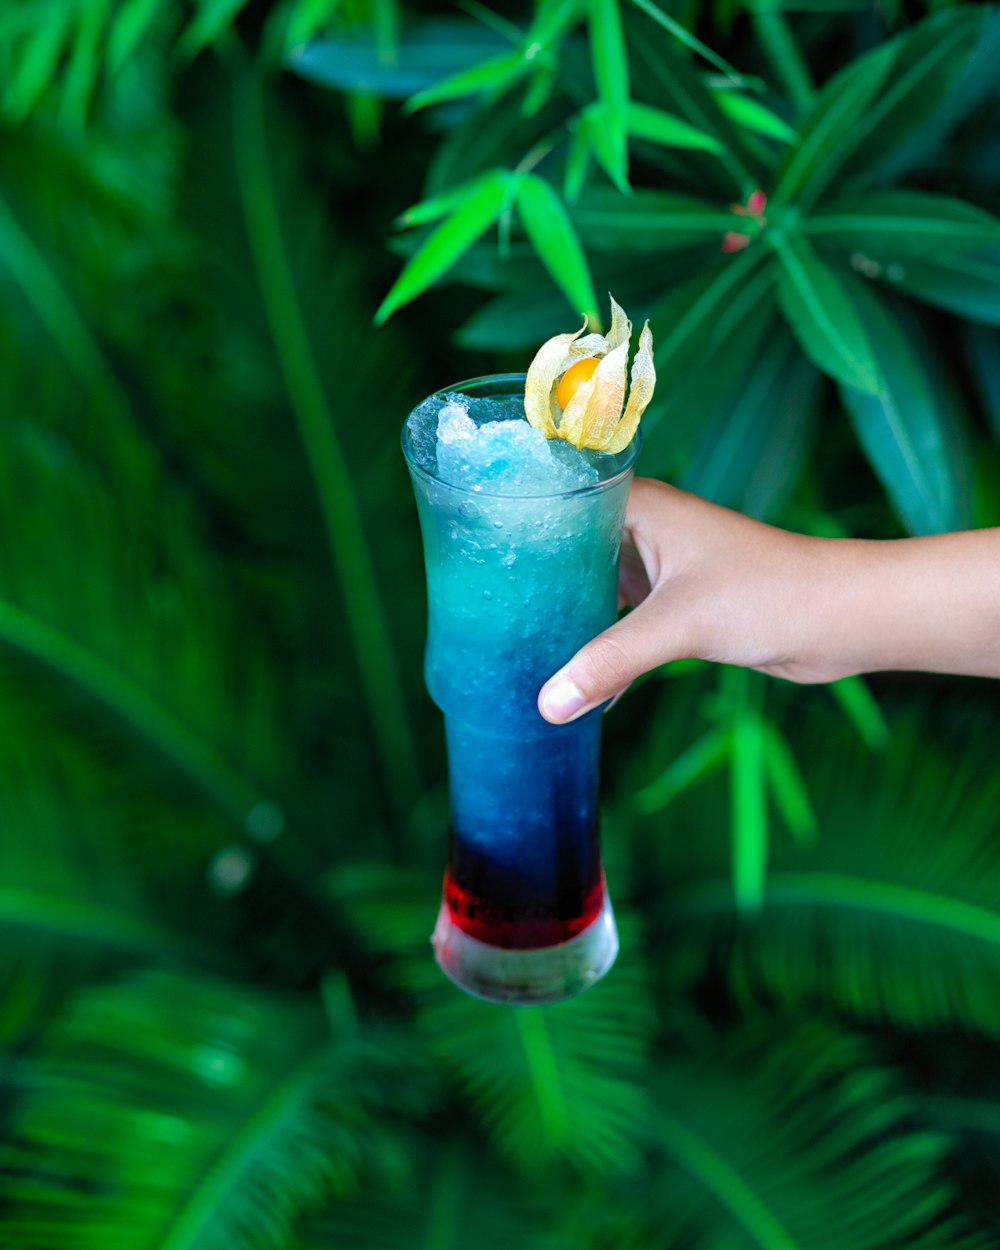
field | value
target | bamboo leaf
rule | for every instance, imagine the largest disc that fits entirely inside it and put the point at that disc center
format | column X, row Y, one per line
column 548, row 226
column 467, row 222
column 656, row 126
column 700, row 760
column 913, row 445
column 787, row 784
column 684, row 36
column 493, row 75
column 816, row 306
column 607, row 48
column 749, row 113
column 861, row 708
column 212, row 18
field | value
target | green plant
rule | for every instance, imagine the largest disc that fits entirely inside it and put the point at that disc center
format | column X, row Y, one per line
column 222, row 785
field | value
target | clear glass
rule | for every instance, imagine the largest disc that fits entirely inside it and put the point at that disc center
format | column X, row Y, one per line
column 516, row 585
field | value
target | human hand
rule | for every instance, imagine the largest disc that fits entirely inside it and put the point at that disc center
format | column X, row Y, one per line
column 710, row 583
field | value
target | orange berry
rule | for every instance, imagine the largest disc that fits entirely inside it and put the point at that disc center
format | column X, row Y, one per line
column 574, row 378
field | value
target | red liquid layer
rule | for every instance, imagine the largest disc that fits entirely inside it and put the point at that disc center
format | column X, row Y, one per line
column 522, row 927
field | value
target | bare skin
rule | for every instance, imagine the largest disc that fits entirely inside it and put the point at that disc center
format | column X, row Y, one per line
column 710, row 583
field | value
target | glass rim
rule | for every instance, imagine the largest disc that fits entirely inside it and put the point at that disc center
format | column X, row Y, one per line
column 463, row 388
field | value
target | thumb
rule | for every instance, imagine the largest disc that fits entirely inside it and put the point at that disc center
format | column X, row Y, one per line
column 610, row 662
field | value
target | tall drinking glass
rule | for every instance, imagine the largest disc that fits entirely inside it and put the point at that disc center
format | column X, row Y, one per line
column 516, row 585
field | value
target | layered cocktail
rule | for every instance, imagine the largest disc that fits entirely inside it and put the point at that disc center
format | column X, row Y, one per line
column 521, row 541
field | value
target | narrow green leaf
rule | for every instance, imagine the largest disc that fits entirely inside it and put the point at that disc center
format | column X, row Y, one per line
column 966, row 284
column 751, row 450
column 749, row 812
column 647, row 221
column 600, row 140
column 131, row 23
column 858, row 704
column 84, row 65
column 385, row 27
column 548, row 226
column 684, row 36
column 211, row 19
column 700, row 760
column 489, row 76
column 607, row 49
column 749, row 113
column 671, row 81
column 929, row 61
column 788, row 785
column 817, row 308
column 438, row 206
column 787, row 60
column 345, row 532
column 552, row 18
column 577, row 164
column 902, row 223
column 656, row 126
column 905, row 432
column 448, row 242
column 828, row 127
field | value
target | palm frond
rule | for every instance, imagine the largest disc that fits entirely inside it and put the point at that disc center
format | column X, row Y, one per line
column 460, row 1193
column 130, row 625
column 782, row 1136
column 182, row 1113
column 890, row 915
column 282, row 294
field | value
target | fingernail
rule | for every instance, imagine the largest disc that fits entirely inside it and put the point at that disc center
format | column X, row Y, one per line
column 563, row 699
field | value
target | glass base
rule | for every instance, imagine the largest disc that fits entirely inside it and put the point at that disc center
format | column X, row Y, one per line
column 547, row 974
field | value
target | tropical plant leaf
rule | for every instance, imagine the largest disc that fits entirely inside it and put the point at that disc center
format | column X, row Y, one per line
column 890, row 915
column 828, row 128
column 665, row 79
column 428, row 51
column 552, row 1084
column 492, row 76
column 749, row 113
column 913, row 442
column 456, row 1189
column 928, row 61
column 754, row 445
column 965, row 284
column 656, row 126
column 748, row 805
column 646, row 221
column 901, row 224
column 195, row 1113
column 816, row 304
column 466, row 223
column 787, row 1137
column 551, row 232
column 611, row 73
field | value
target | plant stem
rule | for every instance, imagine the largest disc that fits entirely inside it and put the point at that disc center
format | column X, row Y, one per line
column 785, row 56
column 341, row 515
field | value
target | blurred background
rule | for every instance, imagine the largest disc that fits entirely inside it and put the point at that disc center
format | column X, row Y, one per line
column 222, row 802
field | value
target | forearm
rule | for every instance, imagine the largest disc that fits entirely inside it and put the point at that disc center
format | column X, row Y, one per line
column 930, row 604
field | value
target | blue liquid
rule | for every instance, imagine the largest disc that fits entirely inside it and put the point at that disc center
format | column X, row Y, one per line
column 515, row 587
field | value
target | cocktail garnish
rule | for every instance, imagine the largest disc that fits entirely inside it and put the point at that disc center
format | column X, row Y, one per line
column 575, row 389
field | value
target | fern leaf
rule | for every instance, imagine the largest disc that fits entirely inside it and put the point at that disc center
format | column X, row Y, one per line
column 195, row 1115
column 782, row 1137
column 891, row 915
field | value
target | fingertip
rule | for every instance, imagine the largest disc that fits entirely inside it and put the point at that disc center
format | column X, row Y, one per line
column 561, row 699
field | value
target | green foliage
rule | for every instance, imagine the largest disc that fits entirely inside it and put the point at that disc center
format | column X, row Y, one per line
column 222, row 793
